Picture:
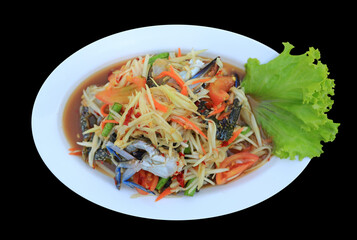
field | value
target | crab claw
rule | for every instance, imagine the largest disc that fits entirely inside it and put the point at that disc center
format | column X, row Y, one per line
column 114, row 150
column 130, row 163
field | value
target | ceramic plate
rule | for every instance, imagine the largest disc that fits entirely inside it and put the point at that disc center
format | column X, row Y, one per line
column 100, row 189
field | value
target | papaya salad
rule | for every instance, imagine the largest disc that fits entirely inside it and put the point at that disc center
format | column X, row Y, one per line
column 170, row 122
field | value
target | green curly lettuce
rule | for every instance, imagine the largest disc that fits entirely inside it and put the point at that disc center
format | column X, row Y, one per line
column 290, row 96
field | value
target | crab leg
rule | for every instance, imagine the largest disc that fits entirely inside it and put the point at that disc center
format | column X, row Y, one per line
column 114, row 150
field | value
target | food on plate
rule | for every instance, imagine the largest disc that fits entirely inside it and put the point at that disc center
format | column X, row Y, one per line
column 172, row 122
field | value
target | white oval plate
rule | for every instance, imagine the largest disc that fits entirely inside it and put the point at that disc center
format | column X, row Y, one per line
column 100, row 189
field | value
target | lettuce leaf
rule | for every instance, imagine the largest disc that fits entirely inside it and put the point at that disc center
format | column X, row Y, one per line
column 290, row 96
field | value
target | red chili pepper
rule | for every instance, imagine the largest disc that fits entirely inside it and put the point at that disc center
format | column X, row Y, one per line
column 128, row 116
column 180, row 179
column 224, row 144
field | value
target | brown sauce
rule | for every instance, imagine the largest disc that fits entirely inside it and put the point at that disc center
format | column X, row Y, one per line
column 71, row 116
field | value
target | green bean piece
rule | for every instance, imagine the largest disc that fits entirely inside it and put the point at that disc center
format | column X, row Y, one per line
column 190, row 192
column 109, row 126
column 161, row 183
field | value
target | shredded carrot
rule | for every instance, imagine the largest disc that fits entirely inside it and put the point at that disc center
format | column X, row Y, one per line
column 217, row 109
column 166, row 192
column 179, row 122
column 234, row 136
column 179, row 52
column 203, row 150
column 202, row 80
column 109, row 121
column 190, row 125
column 75, row 151
column 158, row 106
column 223, row 115
column 103, row 108
column 184, row 91
column 232, row 139
column 176, row 77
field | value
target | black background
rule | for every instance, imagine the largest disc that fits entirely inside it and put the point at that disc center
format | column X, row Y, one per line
column 315, row 201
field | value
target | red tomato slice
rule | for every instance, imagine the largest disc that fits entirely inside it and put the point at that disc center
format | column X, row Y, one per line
column 237, row 164
column 146, row 179
column 120, row 95
column 218, row 90
column 138, row 81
